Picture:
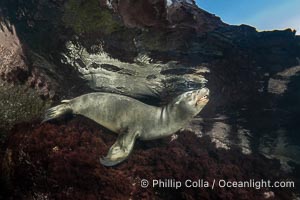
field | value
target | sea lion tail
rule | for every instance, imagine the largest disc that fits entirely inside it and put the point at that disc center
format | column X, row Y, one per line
column 57, row 111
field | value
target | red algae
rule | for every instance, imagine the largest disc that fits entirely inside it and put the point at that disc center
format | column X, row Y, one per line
column 60, row 160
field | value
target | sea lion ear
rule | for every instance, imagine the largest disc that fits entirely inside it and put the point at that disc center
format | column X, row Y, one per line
column 178, row 101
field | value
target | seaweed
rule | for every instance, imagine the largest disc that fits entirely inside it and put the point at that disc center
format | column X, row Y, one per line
column 60, row 160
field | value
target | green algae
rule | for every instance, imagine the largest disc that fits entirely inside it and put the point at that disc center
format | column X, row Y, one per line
column 18, row 103
column 88, row 17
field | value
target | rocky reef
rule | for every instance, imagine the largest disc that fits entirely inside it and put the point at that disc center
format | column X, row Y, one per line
column 151, row 50
column 61, row 161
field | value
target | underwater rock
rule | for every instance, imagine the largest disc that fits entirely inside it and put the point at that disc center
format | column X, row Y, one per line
column 143, row 78
column 18, row 103
column 25, row 89
column 13, row 63
column 279, row 84
column 61, row 161
column 28, row 81
column 83, row 36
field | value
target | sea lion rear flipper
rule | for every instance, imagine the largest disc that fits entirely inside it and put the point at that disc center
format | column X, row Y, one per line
column 57, row 111
column 120, row 150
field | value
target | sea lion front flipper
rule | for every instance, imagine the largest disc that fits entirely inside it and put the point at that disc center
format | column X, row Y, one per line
column 120, row 150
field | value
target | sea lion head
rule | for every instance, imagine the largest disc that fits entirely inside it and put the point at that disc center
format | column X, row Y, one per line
column 193, row 101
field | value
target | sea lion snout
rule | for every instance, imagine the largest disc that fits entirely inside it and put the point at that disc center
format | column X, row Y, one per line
column 203, row 92
column 202, row 96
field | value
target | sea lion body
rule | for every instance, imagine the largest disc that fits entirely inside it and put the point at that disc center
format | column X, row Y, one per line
column 131, row 118
column 117, row 113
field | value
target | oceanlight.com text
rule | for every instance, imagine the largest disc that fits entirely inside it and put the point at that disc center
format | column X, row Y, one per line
column 201, row 183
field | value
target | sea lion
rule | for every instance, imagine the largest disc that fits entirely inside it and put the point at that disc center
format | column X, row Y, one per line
column 132, row 119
